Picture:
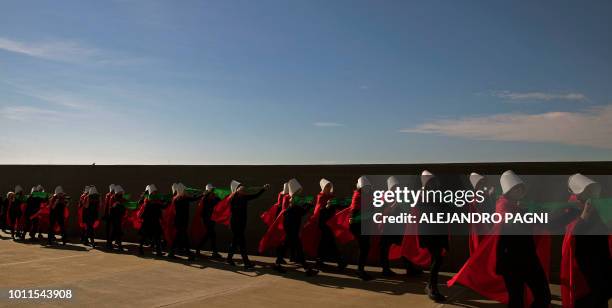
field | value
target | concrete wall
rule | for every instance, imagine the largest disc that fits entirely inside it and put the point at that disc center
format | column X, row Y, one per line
column 135, row 178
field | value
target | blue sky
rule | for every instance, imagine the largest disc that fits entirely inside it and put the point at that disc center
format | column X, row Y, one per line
column 301, row 82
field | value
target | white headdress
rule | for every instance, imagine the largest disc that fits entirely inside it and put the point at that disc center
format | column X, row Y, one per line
column 475, row 178
column 392, row 182
column 234, row 185
column 325, row 182
column 294, row 187
column 363, row 181
column 583, row 186
column 426, row 176
column 510, row 180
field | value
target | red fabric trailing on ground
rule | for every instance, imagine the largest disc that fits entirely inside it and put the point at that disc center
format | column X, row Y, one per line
column 410, row 247
column 339, row 224
column 198, row 229
column 275, row 235
column 269, row 215
column 222, row 213
column 311, row 232
column 167, row 221
column 479, row 271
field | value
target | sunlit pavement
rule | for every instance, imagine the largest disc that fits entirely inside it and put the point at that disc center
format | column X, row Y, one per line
column 99, row 278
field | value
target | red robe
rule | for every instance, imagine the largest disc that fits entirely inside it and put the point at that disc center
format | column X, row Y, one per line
column 275, row 235
column 410, row 248
column 311, row 232
column 269, row 215
column 198, row 229
column 168, row 221
column 108, row 200
column 44, row 214
column 475, row 237
column 339, row 224
column 17, row 225
column 223, row 211
column 83, row 200
column 479, row 271
column 573, row 282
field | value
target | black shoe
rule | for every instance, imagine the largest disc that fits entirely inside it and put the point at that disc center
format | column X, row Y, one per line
column 279, row 268
column 363, row 275
column 216, row 255
column 248, row 265
column 141, row 251
column 414, row 272
column 172, row 256
column 342, row 265
column 231, row 262
column 434, row 295
column 388, row 273
column 191, row 257
column 311, row 272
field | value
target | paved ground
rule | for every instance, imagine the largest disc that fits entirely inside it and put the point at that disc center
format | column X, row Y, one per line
column 98, row 278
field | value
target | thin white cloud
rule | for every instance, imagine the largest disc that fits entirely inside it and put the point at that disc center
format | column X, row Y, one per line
column 327, row 124
column 591, row 127
column 539, row 96
column 22, row 113
column 66, row 51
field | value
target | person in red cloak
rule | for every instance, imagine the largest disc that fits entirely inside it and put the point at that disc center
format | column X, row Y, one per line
column 238, row 203
column 390, row 245
column 89, row 216
column 58, row 213
column 4, row 212
column 479, row 231
column 151, row 215
column 363, row 186
column 432, row 236
column 181, row 202
column 106, row 205
column 270, row 215
column 204, row 214
column 32, row 207
column 586, row 266
column 116, row 214
column 292, row 220
column 504, row 264
column 317, row 237
column 14, row 211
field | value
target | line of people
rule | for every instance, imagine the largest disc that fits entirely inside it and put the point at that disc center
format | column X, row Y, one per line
column 500, row 266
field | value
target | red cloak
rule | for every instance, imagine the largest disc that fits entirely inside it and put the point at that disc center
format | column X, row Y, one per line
column 475, row 236
column 269, row 215
column 339, row 223
column 411, row 249
column 223, row 211
column 84, row 199
column 275, row 235
column 311, row 232
column 479, row 271
column 198, row 229
column 168, row 221
column 44, row 215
